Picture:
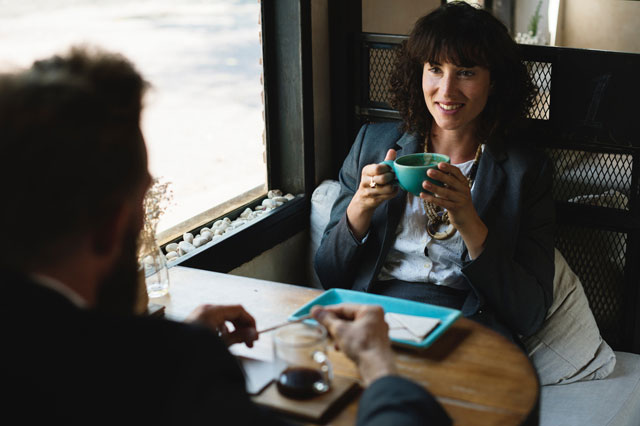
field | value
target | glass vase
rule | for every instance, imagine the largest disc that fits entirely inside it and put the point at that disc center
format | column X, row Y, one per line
column 156, row 274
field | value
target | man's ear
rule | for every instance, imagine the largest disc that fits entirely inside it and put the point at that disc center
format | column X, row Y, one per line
column 107, row 238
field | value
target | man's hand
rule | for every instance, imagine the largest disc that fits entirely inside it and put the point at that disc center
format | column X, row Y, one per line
column 216, row 317
column 362, row 334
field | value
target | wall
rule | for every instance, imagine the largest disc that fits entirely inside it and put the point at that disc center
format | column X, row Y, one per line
column 601, row 24
column 288, row 262
column 394, row 17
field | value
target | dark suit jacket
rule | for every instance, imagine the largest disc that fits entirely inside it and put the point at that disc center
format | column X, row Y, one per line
column 63, row 365
column 511, row 281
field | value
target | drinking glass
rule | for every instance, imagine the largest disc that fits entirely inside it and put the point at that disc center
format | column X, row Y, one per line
column 300, row 354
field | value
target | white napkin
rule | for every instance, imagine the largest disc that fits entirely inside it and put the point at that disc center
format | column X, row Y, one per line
column 409, row 327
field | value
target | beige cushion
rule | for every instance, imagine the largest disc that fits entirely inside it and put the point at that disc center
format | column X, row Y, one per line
column 568, row 348
column 322, row 201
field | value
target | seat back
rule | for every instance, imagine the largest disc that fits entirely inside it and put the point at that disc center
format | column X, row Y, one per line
column 586, row 119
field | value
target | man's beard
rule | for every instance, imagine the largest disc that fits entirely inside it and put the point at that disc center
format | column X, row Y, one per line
column 118, row 291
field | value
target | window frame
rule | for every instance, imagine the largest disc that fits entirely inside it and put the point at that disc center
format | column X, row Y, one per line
column 289, row 140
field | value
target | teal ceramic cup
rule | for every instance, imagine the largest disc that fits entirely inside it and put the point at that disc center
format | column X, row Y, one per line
column 411, row 170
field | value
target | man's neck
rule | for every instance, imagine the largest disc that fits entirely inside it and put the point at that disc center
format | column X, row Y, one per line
column 77, row 272
column 60, row 288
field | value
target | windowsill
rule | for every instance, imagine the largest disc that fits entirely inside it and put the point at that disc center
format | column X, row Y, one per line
column 249, row 240
column 198, row 221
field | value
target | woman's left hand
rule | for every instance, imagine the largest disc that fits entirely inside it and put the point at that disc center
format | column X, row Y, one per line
column 455, row 196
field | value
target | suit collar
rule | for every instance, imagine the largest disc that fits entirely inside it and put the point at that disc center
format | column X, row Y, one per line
column 491, row 176
column 408, row 144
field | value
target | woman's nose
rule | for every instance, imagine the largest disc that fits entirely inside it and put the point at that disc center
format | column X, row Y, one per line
column 448, row 84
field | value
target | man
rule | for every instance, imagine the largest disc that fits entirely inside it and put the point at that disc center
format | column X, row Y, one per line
column 74, row 168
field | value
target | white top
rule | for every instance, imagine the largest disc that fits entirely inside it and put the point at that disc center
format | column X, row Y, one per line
column 406, row 260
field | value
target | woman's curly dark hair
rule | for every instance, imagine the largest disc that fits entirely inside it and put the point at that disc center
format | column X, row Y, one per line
column 466, row 36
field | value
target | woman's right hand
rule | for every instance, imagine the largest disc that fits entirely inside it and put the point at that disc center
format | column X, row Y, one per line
column 376, row 186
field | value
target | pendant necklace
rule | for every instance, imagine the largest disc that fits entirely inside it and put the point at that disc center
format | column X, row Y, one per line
column 437, row 215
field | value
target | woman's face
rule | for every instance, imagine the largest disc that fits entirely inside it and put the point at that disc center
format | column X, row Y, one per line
column 455, row 95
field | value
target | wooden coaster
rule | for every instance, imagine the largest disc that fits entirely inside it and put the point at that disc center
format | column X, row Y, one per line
column 317, row 409
column 155, row 310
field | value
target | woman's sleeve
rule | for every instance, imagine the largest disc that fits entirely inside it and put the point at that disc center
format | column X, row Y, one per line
column 518, row 284
column 339, row 250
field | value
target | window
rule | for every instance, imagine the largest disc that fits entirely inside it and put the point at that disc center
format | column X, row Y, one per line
column 203, row 119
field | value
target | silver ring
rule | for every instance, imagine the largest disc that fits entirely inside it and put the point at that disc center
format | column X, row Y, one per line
column 372, row 184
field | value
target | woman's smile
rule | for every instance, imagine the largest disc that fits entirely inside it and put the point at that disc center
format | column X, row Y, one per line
column 449, row 107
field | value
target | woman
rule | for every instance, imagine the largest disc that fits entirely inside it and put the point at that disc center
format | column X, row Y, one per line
column 483, row 242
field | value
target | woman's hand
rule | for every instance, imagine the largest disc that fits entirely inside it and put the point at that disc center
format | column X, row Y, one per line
column 455, row 196
column 375, row 187
column 216, row 318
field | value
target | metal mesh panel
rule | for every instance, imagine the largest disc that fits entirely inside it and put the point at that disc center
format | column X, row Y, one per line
column 380, row 66
column 599, row 179
column 598, row 258
column 540, row 73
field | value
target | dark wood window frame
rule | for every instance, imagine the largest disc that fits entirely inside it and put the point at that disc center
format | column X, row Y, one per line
column 288, row 103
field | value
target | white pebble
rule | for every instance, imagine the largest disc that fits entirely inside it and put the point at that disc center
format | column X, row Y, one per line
column 186, row 247
column 289, row 196
column 199, row 241
column 171, row 247
column 259, row 208
column 172, row 255
column 218, row 231
column 274, row 193
column 279, row 203
column 245, row 213
column 217, row 224
column 188, row 237
column 207, row 235
column 280, row 199
column 268, row 203
column 205, row 229
column 226, row 220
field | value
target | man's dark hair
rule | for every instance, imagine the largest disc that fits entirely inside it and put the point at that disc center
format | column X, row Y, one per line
column 466, row 36
column 71, row 149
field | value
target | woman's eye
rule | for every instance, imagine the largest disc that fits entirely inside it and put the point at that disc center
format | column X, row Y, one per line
column 466, row 73
column 434, row 69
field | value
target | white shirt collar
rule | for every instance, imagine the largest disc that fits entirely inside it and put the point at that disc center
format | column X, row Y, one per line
column 61, row 289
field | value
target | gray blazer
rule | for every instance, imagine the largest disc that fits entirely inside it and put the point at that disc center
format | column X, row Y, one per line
column 511, row 281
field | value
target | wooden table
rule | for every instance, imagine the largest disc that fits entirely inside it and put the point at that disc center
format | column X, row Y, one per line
column 477, row 375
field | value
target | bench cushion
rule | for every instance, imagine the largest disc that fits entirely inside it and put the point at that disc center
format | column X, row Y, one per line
column 614, row 401
column 568, row 347
column 322, row 201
